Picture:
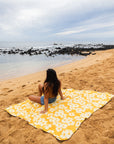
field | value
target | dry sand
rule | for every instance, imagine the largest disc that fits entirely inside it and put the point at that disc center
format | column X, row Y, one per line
column 96, row 72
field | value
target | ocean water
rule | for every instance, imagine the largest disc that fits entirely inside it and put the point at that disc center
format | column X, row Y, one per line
column 12, row 66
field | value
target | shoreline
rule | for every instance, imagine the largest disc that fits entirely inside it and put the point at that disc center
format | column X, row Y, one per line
column 43, row 69
column 64, row 67
column 95, row 72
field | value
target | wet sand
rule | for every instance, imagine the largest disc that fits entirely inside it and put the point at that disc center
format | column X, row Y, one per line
column 95, row 72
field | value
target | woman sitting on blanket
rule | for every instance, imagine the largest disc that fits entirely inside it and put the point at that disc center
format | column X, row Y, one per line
column 50, row 88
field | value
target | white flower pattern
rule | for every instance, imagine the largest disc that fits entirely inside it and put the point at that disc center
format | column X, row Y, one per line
column 66, row 134
column 63, row 117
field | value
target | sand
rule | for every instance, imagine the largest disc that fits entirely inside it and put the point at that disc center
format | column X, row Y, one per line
column 95, row 72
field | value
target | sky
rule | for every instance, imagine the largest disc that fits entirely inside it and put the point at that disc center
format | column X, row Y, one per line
column 57, row 20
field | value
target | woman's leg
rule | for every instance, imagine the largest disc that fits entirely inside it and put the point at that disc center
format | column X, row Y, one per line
column 40, row 89
column 35, row 98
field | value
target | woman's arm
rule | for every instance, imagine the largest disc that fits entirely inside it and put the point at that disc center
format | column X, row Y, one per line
column 60, row 92
column 46, row 96
column 46, row 105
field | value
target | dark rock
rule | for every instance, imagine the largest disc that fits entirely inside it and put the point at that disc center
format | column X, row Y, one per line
column 70, row 50
column 4, row 52
column 58, row 48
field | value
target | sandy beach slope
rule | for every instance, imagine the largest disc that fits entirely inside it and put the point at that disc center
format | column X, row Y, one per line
column 95, row 72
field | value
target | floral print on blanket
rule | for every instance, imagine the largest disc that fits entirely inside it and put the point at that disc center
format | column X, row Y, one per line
column 64, row 116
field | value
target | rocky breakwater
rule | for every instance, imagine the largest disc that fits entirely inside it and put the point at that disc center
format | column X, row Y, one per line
column 79, row 49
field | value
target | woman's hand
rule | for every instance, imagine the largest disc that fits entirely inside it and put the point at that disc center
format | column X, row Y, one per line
column 43, row 111
column 63, row 98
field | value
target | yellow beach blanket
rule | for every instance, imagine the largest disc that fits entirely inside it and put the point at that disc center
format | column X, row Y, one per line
column 64, row 116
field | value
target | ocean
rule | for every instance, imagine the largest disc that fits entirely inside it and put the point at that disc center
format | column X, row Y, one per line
column 12, row 66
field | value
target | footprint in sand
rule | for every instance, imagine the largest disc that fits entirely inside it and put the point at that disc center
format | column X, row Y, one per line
column 13, row 133
column 35, row 93
column 23, row 86
column 35, row 82
column 16, row 100
column 38, row 81
column 5, row 89
column 109, row 134
column 62, row 74
column 10, row 90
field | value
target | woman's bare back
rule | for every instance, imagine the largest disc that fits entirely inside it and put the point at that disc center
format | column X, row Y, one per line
column 48, row 90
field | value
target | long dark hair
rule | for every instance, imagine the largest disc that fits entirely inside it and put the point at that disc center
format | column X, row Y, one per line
column 53, row 81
